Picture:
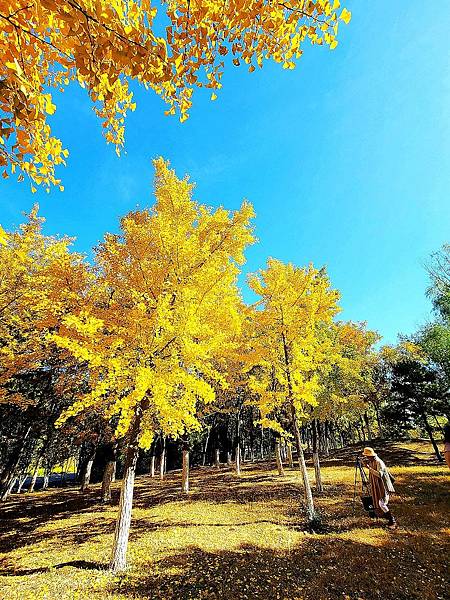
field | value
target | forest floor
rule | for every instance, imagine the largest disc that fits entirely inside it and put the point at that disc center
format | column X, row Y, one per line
column 236, row 538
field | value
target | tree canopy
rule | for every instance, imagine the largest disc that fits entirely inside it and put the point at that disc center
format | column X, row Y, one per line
column 170, row 47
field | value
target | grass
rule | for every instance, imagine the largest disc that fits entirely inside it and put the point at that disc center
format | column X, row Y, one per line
column 235, row 538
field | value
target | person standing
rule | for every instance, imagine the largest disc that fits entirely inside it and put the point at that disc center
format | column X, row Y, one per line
column 380, row 485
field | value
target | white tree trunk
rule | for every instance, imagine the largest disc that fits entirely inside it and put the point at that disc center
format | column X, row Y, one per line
column 310, row 511
column 21, row 482
column 152, row 465
column 238, row 460
column 86, row 478
column 119, row 554
column 278, row 458
column 34, row 477
column 229, row 459
column 185, row 472
column 162, row 464
column 217, row 459
column 46, row 480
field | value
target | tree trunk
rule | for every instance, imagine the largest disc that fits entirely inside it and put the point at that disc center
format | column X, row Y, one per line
column 237, row 462
column 278, row 458
column 46, row 480
column 289, row 455
column 369, row 430
column 430, row 435
column 205, row 447
column 8, row 491
column 86, row 476
column 119, row 554
column 162, row 459
column 35, row 475
column 107, row 480
column 21, row 481
column 9, row 472
column 185, row 470
column 318, row 475
column 152, row 465
column 262, row 443
column 228, row 459
column 310, row 511
column 217, row 459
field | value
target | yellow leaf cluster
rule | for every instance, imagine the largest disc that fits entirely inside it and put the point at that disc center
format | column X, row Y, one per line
column 104, row 44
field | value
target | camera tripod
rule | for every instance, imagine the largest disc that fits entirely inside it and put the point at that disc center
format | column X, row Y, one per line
column 366, row 499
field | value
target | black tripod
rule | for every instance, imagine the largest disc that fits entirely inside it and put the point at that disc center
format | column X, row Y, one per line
column 366, row 498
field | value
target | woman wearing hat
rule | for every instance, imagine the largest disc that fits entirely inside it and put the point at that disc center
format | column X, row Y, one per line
column 380, row 485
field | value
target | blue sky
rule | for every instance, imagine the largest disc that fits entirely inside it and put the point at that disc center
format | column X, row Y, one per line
column 346, row 160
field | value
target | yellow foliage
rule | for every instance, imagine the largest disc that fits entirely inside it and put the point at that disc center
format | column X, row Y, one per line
column 165, row 308
column 104, row 44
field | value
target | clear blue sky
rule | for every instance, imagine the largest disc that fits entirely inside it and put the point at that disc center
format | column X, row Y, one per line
column 346, row 160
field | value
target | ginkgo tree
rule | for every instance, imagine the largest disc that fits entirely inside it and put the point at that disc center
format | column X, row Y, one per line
column 105, row 44
column 164, row 306
column 41, row 280
column 346, row 385
column 291, row 347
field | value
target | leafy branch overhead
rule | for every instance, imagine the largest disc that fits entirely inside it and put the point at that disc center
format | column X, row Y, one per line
column 104, row 44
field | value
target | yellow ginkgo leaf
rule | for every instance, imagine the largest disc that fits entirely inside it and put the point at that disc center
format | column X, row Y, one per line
column 345, row 16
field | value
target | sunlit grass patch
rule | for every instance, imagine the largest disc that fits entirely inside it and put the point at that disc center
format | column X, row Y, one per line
column 231, row 538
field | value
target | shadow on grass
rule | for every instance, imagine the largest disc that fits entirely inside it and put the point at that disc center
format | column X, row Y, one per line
column 322, row 568
column 77, row 564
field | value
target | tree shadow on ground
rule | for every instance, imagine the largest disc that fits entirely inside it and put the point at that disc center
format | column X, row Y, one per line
column 321, row 568
column 392, row 452
column 20, row 517
column 77, row 564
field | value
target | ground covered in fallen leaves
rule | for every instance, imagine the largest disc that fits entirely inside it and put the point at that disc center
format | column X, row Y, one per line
column 236, row 538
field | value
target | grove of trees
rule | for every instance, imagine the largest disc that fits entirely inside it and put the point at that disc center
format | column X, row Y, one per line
column 150, row 352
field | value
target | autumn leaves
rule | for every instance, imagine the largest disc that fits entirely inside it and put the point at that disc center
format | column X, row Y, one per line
column 104, row 44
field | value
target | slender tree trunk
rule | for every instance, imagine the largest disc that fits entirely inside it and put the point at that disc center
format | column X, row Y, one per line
column 238, row 456
column 119, row 554
column 438, row 424
column 430, row 435
column 152, row 465
column 217, row 459
column 310, row 511
column 21, row 481
column 162, row 460
column 107, row 480
column 86, row 476
column 113, row 475
column 205, row 447
column 185, row 470
column 289, row 455
column 367, row 422
column 316, row 461
column 35, row 475
column 9, row 472
column 262, row 443
column 45, row 483
column 365, row 437
column 278, row 458
column 8, row 491
column 228, row 459
column 237, row 461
